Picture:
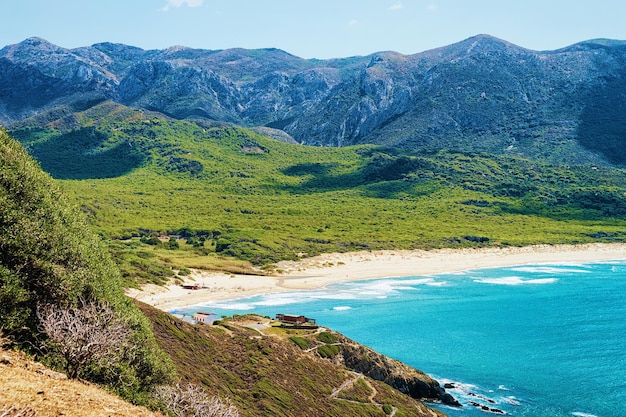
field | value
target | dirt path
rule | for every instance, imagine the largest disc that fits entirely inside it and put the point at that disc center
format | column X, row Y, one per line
column 349, row 383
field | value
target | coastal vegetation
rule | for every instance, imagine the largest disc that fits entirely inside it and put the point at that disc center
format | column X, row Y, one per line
column 445, row 151
column 178, row 195
column 441, row 155
column 62, row 302
column 50, row 262
column 266, row 374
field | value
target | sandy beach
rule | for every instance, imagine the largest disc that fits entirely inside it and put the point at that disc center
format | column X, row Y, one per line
column 320, row 271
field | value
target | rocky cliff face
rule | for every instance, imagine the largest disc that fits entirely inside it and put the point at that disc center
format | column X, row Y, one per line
column 481, row 94
column 405, row 379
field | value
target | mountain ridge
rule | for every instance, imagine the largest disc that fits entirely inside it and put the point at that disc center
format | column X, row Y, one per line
column 479, row 94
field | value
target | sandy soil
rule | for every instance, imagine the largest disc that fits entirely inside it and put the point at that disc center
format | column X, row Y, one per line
column 28, row 389
column 319, row 271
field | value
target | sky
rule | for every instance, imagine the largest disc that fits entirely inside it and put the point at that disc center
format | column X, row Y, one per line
column 311, row 28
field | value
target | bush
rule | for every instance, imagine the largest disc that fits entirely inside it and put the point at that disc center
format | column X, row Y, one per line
column 476, row 239
column 385, row 167
column 328, row 351
column 87, row 334
column 14, row 310
column 50, row 259
column 326, row 337
column 301, row 342
column 151, row 240
column 173, row 244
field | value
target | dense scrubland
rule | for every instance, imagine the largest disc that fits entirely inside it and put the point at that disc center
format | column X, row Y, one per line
column 171, row 195
column 51, row 262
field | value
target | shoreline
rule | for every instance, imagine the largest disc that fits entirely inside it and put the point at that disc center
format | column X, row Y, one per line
column 323, row 270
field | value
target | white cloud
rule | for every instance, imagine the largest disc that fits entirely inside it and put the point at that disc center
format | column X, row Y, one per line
column 396, row 6
column 180, row 3
column 353, row 22
column 432, row 8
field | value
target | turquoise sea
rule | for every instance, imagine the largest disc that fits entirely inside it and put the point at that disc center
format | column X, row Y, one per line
column 533, row 340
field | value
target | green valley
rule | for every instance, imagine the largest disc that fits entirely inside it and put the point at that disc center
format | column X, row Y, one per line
column 224, row 197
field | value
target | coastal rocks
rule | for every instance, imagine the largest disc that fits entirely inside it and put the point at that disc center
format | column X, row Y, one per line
column 481, row 402
column 394, row 373
column 486, row 408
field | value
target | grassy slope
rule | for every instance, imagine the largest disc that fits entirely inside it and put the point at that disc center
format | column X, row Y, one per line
column 268, row 375
column 261, row 200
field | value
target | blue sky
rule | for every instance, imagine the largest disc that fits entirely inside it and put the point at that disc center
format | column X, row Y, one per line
column 311, row 28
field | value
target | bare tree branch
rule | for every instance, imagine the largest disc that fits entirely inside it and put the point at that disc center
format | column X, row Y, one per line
column 190, row 400
column 17, row 412
column 89, row 333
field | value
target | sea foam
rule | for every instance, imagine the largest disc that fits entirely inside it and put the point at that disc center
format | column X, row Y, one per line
column 516, row 281
column 550, row 270
column 581, row 414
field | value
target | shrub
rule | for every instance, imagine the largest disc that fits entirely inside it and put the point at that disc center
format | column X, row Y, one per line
column 301, row 342
column 173, row 244
column 86, row 334
column 14, row 310
column 326, row 337
column 189, row 400
column 50, row 259
column 328, row 351
column 151, row 240
column 476, row 239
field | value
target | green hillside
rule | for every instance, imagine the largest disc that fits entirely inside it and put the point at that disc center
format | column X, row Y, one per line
column 215, row 194
column 50, row 260
column 56, row 280
column 266, row 374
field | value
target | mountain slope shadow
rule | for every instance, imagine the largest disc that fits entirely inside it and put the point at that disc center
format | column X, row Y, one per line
column 81, row 154
column 321, row 177
column 603, row 121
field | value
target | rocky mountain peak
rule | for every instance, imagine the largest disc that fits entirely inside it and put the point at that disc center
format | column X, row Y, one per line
column 480, row 94
column 32, row 48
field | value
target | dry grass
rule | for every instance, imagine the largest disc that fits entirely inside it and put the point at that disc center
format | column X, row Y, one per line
column 190, row 259
column 29, row 389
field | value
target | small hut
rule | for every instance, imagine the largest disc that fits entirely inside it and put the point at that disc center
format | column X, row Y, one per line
column 295, row 320
column 205, row 317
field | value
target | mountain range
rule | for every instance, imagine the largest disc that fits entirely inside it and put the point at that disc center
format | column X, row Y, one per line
column 481, row 143
column 482, row 94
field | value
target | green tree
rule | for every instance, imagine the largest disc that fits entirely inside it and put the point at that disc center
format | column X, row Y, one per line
column 49, row 257
column 172, row 244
